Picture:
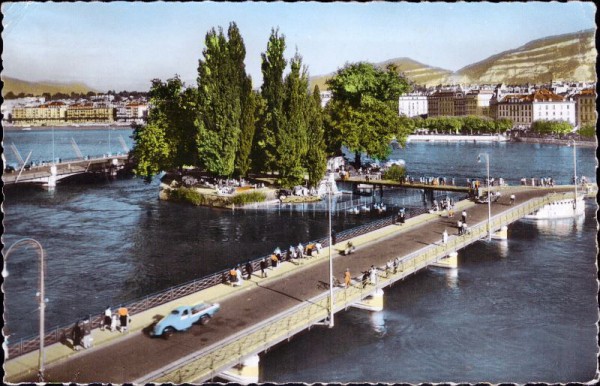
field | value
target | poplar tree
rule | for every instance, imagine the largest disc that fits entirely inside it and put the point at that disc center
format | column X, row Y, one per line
column 219, row 105
column 292, row 137
column 272, row 67
column 316, row 159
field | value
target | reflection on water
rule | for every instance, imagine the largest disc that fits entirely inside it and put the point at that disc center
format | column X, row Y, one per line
column 452, row 278
column 560, row 227
column 502, row 248
column 377, row 320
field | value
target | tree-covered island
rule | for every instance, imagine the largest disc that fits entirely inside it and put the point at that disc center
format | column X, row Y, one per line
column 224, row 130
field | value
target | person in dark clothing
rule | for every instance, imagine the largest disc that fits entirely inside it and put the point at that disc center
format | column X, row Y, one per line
column 249, row 270
column 333, row 238
column 263, row 267
column 365, row 278
column 402, row 215
column 77, row 335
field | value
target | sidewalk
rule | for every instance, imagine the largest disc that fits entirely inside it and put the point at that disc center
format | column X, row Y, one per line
column 294, row 286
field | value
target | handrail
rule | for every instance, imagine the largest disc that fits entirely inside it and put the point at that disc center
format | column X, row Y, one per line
column 59, row 333
column 210, row 361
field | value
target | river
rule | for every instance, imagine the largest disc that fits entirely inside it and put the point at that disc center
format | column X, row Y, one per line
column 522, row 310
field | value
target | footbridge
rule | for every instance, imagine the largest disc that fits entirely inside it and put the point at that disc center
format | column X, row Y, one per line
column 264, row 312
column 50, row 174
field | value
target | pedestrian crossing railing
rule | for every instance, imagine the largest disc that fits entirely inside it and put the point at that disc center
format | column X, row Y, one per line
column 416, row 260
column 212, row 360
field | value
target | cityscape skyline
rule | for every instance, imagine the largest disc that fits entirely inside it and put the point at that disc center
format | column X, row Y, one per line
column 122, row 46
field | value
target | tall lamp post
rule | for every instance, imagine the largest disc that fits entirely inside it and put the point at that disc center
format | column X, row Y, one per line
column 42, row 298
column 489, row 197
column 329, row 187
column 574, row 173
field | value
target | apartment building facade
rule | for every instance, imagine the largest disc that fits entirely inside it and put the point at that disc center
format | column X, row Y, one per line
column 412, row 105
column 524, row 109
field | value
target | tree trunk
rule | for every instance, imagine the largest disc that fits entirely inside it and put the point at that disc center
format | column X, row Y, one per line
column 357, row 163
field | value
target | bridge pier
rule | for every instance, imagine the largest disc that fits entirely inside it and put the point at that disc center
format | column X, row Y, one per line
column 450, row 261
column 372, row 302
column 244, row 373
column 51, row 182
column 502, row 234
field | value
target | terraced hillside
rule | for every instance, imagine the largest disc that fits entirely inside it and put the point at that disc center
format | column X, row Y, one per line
column 569, row 57
column 562, row 57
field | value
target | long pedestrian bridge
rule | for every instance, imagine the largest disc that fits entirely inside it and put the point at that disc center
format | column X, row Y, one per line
column 50, row 174
column 264, row 312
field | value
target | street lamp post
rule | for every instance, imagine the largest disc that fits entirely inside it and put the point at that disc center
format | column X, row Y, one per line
column 489, row 196
column 42, row 299
column 329, row 187
column 574, row 173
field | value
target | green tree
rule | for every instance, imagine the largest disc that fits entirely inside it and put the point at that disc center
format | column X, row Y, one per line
column 503, row 125
column 164, row 142
column 248, row 100
column 363, row 110
column 316, row 158
column 219, row 104
column 272, row 91
column 551, row 127
column 292, row 136
column 588, row 130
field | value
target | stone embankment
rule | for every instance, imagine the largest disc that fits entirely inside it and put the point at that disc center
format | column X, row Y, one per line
column 555, row 141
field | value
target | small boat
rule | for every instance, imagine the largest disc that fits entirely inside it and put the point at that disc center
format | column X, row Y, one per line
column 560, row 209
column 26, row 129
column 353, row 211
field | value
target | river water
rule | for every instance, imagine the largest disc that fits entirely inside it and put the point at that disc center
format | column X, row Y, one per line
column 522, row 310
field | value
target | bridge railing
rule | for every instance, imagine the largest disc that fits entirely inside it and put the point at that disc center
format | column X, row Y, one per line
column 209, row 362
column 60, row 333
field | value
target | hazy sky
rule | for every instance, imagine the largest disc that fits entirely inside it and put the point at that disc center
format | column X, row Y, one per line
column 123, row 46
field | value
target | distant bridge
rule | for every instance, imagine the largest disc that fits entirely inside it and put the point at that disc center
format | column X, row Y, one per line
column 50, row 174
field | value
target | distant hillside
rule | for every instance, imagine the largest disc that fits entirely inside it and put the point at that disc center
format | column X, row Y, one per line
column 416, row 72
column 18, row 86
column 562, row 57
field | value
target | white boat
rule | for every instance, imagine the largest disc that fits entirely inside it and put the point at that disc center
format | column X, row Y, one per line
column 560, row 209
column 26, row 129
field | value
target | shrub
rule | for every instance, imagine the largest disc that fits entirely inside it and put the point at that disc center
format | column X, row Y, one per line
column 394, row 173
column 247, row 198
column 187, row 195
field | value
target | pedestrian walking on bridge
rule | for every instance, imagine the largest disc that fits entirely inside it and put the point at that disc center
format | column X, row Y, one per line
column 263, row 267
column 445, row 237
column 512, row 199
column 347, row 277
column 464, row 216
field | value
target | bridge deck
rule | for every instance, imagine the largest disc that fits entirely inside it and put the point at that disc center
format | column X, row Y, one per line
column 135, row 356
column 395, row 184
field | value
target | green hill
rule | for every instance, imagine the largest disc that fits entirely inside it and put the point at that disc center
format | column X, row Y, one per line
column 18, row 86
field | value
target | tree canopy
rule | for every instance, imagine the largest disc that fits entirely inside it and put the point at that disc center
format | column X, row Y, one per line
column 363, row 112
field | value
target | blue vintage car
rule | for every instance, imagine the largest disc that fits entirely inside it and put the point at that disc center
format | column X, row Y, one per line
column 183, row 317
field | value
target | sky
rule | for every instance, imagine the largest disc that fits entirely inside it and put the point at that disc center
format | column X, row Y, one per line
column 124, row 45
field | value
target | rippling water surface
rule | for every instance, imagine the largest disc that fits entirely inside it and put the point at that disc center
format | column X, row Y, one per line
column 523, row 310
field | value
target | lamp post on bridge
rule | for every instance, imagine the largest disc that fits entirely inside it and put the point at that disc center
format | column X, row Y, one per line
column 329, row 188
column 574, row 173
column 489, row 196
column 42, row 299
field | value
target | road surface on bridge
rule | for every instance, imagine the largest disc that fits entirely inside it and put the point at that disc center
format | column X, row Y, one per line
column 137, row 354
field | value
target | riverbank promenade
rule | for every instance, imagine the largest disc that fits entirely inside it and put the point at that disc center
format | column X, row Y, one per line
column 265, row 311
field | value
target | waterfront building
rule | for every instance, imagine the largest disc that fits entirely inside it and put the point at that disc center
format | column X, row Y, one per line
column 543, row 104
column 44, row 114
column 413, row 104
column 87, row 113
column 585, row 102
column 477, row 102
column 446, row 103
